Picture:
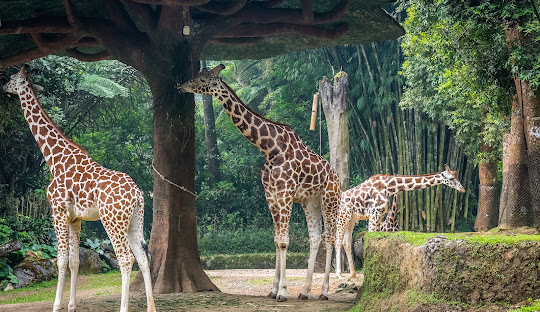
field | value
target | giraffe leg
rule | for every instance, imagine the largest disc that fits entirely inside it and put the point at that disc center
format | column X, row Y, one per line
column 275, row 285
column 347, row 244
column 338, row 245
column 117, row 231
column 74, row 241
column 139, row 248
column 62, row 236
column 281, row 240
column 313, row 218
column 326, row 283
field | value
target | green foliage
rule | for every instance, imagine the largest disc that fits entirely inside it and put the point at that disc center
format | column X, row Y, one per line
column 455, row 71
column 96, row 244
column 101, row 86
column 534, row 306
column 251, row 239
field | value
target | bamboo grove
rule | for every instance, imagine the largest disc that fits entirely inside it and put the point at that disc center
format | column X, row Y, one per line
column 388, row 139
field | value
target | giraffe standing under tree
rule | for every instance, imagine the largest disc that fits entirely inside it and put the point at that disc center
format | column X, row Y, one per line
column 292, row 173
column 81, row 189
column 369, row 201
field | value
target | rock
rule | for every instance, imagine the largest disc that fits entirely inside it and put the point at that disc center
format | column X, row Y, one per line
column 33, row 271
column 111, row 260
column 89, row 261
column 10, row 247
column 9, row 287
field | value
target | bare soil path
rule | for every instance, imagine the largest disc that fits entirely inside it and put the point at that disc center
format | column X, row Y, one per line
column 242, row 291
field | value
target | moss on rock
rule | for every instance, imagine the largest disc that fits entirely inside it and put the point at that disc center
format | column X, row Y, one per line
column 426, row 272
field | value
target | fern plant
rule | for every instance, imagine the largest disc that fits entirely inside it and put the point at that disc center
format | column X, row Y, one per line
column 101, row 86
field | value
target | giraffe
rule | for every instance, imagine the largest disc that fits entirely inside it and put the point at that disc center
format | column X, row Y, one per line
column 390, row 223
column 369, row 201
column 83, row 190
column 292, row 173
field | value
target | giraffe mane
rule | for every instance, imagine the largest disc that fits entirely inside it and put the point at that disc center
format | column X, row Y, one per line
column 251, row 110
column 49, row 119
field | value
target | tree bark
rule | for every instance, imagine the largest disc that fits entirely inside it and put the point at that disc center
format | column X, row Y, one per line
column 175, row 260
column 529, row 100
column 212, row 152
column 531, row 114
column 515, row 204
column 334, row 102
column 487, row 215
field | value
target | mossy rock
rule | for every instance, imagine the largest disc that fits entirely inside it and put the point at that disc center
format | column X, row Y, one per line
column 465, row 269
column 32, row 271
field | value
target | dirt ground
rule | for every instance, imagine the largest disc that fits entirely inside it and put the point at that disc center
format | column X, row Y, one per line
column 241, row 291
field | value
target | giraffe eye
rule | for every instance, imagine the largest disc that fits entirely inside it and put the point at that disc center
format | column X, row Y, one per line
column 203, row 80
column 214, row 84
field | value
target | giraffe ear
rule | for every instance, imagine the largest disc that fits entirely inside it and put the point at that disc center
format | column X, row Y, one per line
column 24, row 69
column 216, row 70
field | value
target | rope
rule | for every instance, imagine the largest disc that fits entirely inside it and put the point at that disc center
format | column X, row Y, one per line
column 171, row 182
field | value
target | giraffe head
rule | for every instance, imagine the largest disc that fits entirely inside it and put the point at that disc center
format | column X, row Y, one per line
column 450, row 178
column 205, row 83
column 17, row 81
column 20, row 81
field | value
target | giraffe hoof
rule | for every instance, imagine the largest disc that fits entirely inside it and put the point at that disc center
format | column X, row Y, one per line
column 302, row 297
column 271, row 295
column 281, row 298
column 323, row 297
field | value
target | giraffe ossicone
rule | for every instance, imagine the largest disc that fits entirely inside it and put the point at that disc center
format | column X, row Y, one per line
column 81, row 189
column 292, row 173
column 369, row 201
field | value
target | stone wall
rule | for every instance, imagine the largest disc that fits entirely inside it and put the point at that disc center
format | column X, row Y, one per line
column 471, row 272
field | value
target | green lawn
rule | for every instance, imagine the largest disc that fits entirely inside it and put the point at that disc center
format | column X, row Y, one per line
column 96, row 284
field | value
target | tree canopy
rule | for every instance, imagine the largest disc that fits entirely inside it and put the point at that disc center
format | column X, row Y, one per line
column 234, row 29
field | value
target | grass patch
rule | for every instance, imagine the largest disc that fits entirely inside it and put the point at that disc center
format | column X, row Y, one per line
column 270, row 280
column 418, row 239
column 100, row 284
column 534, row 307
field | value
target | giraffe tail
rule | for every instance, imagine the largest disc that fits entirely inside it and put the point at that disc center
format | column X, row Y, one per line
column 144, row 246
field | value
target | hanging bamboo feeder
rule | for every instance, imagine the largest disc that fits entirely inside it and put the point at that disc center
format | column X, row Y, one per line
column 314, row 111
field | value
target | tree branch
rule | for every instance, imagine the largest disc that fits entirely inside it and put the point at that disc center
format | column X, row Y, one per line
column 174, row 2
column 118, row 15
column 222, row 8
column 307, row 10
column 57, row 25
column 100, row 56
column 143, row 12
column 258, row 30
column 258, row 13
column 237, row 41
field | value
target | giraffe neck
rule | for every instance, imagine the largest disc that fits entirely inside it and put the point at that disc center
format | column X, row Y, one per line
column 413, row 182
column 52, row 142
column 261, row 132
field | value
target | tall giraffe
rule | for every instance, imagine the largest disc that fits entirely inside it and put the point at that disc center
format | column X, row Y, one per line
column 81, row 189
column 292, row 173
column 369, row 201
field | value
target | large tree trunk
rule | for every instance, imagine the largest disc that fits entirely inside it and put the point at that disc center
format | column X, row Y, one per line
column 529, row 100
column 531, row 113
column 488, row 203
column 334, row 102
column 212, row 152
column 175, row 261
column 515, row 205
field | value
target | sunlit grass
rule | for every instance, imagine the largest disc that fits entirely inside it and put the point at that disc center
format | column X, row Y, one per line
column 99, row 284
column 418, row 239
column 534, row 307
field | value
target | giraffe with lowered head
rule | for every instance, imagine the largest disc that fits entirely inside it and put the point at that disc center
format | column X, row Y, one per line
column 292, row 173
column 81, row 189
column 369, row 201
